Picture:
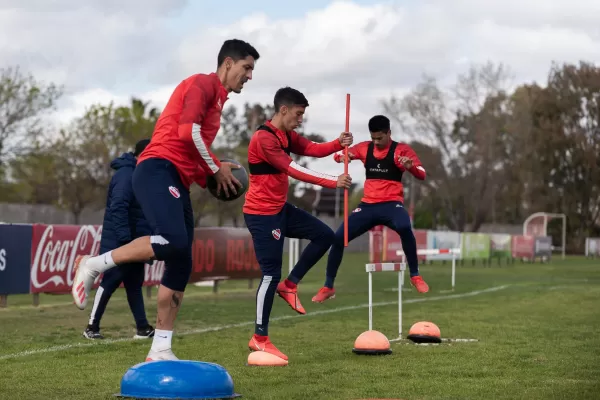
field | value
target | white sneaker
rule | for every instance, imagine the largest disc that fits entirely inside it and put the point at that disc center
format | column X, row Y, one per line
column 83, row 282
column 161, row 355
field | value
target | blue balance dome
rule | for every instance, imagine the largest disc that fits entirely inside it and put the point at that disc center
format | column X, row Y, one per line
column 179, row 379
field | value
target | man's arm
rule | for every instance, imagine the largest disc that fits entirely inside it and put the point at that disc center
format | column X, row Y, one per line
column 196, row 100
column 121, row 197
column 272, row 152
column 304, row 147
column 356, row 152
column 405, row 152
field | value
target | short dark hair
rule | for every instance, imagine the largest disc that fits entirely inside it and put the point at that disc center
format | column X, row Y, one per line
column 140, row 146
column 379, row 123
column 288, row 96
column 236, row 49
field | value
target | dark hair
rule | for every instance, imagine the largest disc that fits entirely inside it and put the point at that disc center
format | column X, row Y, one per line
column 379, row 123
column 237, row 50
column 140, row 146
column 288, row 96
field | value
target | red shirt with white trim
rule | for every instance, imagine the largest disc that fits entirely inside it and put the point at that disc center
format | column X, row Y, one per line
column 380, row 190
column 187, row 127
column 267, row 193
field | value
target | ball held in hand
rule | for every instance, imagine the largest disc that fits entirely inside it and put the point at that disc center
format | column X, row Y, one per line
column 239, row 173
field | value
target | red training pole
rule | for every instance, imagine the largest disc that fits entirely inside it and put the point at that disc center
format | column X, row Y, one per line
column 346, row 171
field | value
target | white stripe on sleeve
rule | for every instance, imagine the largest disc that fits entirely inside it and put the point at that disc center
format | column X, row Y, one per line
column 421, row 168
column 201, row 146
column 310, row 172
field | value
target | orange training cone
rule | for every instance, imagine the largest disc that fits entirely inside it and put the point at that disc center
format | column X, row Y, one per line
column 372, row 343
column 424, row 332
column 264, row 359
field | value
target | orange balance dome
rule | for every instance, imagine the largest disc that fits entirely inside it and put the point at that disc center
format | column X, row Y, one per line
column 425, row 332
column 264, row 359
column 372, row 343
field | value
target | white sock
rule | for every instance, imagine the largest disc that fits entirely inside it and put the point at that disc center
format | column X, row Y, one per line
column 102, row 262
column 162, row 340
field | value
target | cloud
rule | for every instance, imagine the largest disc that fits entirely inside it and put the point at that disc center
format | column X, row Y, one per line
column 372, row 52
column 108, row 45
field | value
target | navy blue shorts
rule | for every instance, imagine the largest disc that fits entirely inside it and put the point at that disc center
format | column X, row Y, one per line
column 268, row 233
column 167, row 206
column 368, row 215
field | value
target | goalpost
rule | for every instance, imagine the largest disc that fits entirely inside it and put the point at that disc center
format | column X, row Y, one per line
column 537, row 225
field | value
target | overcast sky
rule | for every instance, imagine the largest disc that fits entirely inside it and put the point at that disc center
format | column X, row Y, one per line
column 110, row 50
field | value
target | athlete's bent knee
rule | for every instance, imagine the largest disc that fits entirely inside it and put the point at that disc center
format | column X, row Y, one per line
column 338, row 238
column 405, row 231
column 329, row 236
column 324, row 235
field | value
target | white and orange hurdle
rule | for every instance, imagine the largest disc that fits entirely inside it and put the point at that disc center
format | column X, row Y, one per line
column 454, row 253
column 399, row 267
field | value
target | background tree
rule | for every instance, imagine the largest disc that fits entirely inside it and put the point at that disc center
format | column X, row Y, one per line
column 463, row 126
column 23, row 101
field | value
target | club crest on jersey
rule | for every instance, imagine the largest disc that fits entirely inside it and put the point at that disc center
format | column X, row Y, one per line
column 276, row 233
column 174, row 191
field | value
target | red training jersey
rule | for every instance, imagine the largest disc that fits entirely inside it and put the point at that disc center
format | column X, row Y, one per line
column 380, row 190
column 267, row 194
column 187, row 127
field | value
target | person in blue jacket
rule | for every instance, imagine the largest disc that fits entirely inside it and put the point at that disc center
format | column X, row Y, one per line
column 123, row 222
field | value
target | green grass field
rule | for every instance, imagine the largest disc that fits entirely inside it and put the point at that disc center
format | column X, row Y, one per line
column 537, row 330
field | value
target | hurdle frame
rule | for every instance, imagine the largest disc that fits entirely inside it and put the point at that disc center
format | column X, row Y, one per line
column 455, row 252
column 399, row 267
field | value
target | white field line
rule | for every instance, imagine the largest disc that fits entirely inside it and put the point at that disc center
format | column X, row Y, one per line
column 218, row 328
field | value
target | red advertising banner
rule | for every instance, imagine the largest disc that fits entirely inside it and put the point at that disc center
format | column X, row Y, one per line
column 53, row 251
column 224, row 253
column 218, row 253
column 392, row 243
column 523, row 247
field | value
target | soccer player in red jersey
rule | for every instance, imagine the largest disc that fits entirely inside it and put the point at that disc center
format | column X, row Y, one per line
column 270, row 218
column 385, row 162
column 178, row 155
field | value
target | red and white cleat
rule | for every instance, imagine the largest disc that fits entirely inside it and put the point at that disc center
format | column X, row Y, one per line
column 263, row 343
column 83, row 282
column 291, row 297
column 323, row 294
column 419, row 284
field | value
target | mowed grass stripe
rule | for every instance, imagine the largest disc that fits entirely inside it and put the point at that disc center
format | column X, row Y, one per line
column 537, row 339
column 218, row 328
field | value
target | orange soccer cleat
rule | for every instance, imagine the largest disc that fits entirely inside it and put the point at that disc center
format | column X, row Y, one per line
column 290, row 295
column 323, row 294
column 263, row 343
column 419, row 284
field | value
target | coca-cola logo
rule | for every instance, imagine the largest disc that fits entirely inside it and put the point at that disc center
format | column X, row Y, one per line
column 54, row 256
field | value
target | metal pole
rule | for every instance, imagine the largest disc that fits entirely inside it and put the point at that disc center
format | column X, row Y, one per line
column 370, row 301
column 564, row 236
column 400, row 281
column 453, row 269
